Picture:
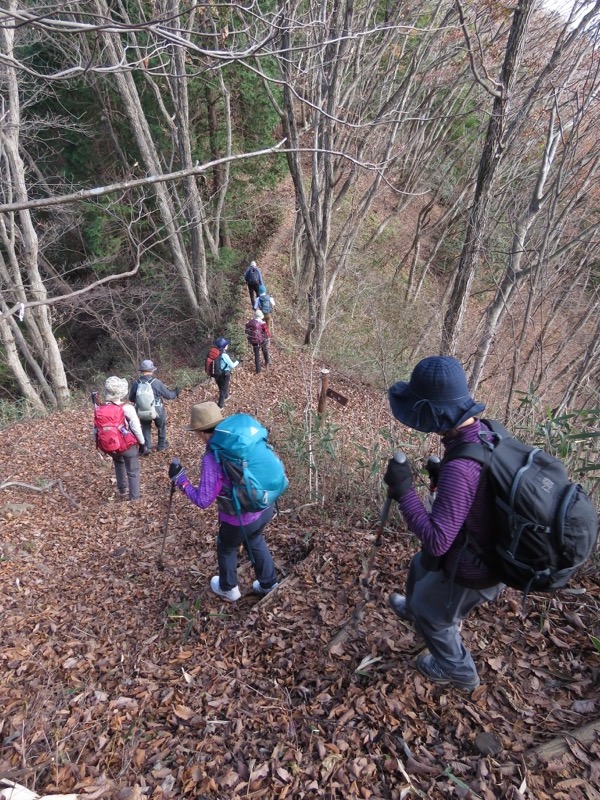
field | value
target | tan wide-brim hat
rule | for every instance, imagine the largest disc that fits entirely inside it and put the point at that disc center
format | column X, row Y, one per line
column 204, row 416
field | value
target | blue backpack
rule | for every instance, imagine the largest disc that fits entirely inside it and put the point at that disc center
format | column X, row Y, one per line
column 239, row 444
column 264, row 300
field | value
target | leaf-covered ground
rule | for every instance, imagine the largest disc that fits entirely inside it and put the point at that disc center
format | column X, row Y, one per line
column 120, row 680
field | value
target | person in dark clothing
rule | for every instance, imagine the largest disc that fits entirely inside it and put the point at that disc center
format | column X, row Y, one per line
column 447, row 579
column 223, row 380
column 258, row 338
column 253, row 278
column 246, row 529
column 155, row 411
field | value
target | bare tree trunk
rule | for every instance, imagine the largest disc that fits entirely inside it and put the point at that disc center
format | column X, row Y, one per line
column 21, row 242
column 14, row 364
column 491, row 158
column 191, row 279
column 579, row 377
column 514, row 273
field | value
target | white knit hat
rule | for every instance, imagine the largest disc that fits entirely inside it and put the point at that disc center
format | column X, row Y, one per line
column 115, row 389
column 258, row 314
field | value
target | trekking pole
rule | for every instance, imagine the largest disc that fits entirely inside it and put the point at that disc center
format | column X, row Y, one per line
column 399, row 458
column 342, row 633
column 159, row 562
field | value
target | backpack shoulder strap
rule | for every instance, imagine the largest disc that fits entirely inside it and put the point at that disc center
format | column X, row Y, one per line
column 472, row 450
column 480, row 451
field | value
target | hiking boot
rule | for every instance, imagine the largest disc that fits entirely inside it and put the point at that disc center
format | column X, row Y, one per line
column 231, row 595
column 428, row 666
column 397, row 602
column 162, row 447
column 258, row 589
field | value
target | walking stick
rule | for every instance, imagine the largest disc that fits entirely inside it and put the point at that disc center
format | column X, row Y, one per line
column 400, row 458
column 159, row 562
column 433, row 470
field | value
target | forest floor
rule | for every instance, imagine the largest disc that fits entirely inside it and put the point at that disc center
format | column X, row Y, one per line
column 120, row 680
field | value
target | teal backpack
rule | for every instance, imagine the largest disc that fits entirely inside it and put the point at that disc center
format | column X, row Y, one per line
column 239, row 444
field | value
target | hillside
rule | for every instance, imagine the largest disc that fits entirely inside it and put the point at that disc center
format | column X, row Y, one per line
column 119, row 680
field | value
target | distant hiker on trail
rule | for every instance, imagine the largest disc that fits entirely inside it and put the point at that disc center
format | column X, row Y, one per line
column 265, row 303
column 220, row 369
column 148, row 393
column 234, row 530
column 258, row 338
column 253, row 277
column 119, row 434
column 448, row 578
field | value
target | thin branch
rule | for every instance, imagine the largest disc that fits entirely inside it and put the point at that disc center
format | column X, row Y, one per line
column 46, row 488
column 494, row 89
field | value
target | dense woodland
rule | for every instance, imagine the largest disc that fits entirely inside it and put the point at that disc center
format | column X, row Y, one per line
column 444, row 162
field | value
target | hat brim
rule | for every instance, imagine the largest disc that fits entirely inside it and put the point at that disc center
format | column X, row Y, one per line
column 205, row 427
column 210, row 423
column 429, row 417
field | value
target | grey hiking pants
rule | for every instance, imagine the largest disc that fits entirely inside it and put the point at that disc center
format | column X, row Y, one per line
column 228, row 543
column 127, row 471
column 439, row 604
column 161, row 426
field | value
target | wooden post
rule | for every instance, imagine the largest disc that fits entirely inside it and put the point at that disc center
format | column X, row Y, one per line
column 323, row 391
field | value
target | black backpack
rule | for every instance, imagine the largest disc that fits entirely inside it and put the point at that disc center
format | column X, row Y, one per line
column 546, row 526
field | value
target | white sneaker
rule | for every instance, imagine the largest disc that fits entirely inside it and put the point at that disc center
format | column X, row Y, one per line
column 231, row 594
column 258, row 589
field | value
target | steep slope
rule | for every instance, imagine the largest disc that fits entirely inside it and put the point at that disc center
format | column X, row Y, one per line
column 122, row 681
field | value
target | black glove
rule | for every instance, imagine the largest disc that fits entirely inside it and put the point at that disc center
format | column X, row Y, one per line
column 398, row 478
column 177, row 391
column 175, row 469
column 143, row 449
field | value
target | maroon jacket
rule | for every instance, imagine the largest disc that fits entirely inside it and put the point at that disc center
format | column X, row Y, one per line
column 256, row 331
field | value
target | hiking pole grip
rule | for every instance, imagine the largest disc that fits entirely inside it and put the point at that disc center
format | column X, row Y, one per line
column 433, row 470
column 399, row 458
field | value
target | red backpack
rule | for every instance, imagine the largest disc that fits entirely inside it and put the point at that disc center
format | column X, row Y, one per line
column 254, row 331
column 213, row 363
column 112, row 432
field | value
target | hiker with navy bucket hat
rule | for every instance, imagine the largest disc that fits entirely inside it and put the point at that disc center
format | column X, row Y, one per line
column 448, row 578
column 223, row 374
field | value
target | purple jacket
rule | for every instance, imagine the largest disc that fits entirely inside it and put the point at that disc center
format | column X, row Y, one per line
column 460, row 505
column 212, row 481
